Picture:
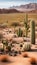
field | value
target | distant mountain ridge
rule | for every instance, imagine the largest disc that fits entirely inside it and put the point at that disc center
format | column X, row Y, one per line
column 26, row 7
column 8, row 11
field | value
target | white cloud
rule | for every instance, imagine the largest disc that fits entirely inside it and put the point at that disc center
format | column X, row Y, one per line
column 8, row 4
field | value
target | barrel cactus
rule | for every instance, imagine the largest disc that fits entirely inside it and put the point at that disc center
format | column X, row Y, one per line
column 32, row 32
column 26, row 47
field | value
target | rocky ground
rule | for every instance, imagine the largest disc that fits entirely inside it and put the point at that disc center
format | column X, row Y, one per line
column 20, row 60
column 16, row 56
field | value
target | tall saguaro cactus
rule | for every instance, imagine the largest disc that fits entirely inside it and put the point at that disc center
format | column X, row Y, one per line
column 26, row 25
column 32, row 24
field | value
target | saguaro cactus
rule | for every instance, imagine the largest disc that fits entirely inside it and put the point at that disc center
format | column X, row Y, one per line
column 26, row 25
column 32, row 32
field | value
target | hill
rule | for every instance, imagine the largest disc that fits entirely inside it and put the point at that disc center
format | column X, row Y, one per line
column 26, row 8
column 8, row 11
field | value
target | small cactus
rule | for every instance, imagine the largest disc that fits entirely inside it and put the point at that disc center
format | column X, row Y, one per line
column 26, row 47
column 19, row 33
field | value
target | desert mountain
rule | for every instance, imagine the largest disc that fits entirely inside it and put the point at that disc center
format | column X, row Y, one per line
column 8, row 11
column 27, row 7
column 31, row 8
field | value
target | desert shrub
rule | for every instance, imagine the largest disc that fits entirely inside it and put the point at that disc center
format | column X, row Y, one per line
column 25, row 54
column 33, row 61
column 3, row 25
column 4, row 58
column 5, row 42
column 15, row 24
column 26, row 47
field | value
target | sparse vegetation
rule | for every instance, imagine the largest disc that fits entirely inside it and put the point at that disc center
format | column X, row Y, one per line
column 16, row 41
column 16, row 17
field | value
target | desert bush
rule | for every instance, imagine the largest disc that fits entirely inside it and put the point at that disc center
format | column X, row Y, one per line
column 3, row 25
column 26, row 47
column 25, row 54
column 15, row 24
column 33, row 61
column 5, row 42
column 4, row 58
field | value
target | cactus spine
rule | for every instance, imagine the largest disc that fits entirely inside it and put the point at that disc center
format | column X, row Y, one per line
column 32, row 32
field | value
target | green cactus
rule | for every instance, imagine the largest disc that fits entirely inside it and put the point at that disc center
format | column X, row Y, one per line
column 26, row 25
column 26, row 47
column 32, row 32
column 19, row 33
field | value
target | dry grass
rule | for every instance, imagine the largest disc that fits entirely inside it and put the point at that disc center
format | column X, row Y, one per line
column 4, row 58
column 16, row 17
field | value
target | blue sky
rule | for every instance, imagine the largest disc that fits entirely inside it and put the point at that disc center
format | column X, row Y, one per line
column 9, row 3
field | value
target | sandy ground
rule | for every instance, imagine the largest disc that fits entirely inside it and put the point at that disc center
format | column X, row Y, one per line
column 20, row 60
